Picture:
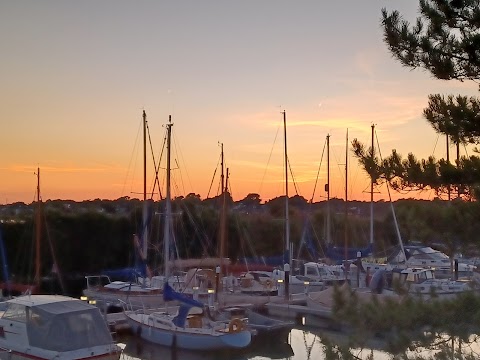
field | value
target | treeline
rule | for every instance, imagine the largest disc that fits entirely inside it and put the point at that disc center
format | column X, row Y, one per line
column 88, row 239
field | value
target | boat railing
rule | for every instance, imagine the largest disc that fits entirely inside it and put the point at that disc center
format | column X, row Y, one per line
column 126, row 306
column 141, row 308
column 5, row 354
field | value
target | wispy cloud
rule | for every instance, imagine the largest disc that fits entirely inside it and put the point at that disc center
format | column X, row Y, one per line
column 366, row 61
column 65, row 168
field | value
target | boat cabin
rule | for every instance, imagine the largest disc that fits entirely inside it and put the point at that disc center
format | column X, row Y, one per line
column 329, row 274
column 51, row 324
column 413, row 275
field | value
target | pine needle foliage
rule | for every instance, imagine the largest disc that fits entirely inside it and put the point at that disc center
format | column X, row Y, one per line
column 445, row 42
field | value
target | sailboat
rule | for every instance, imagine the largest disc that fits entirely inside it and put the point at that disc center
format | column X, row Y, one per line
column 347, row 253
column 11, row 287
column 190, row 328
column 257, row 283
column 387, row 279
column 288, row 283
column 138, row 291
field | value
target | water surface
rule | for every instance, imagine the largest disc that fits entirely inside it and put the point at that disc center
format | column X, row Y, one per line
column 301, row 344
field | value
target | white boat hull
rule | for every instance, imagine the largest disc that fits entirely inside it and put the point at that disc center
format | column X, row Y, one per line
column 60, row 356
column 187, row 338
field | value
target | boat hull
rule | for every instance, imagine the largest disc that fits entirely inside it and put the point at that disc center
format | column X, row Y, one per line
column 13, row 355
column 190, row 339
column 105, row 299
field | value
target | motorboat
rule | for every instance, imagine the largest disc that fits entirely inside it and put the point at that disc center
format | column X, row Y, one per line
column 422, row 282
column 298, row 284
column 54, row 327
column 417, row 256
column 258, row 282
column 328, row 274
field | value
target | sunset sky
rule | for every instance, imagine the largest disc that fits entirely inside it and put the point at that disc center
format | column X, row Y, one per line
column 75, row 77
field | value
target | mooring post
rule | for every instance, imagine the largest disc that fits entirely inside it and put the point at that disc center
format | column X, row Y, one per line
column 286, row 269
column 217, row 282
column 359, row 266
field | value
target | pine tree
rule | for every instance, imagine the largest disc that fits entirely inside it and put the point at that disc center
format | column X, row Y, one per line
column 445, row 41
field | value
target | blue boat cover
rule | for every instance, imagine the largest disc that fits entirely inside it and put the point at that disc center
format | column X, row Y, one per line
column 186, row 303
column 181, row 317
column 337, row 253
column 275, row 261
column 125, row 274
column 170, row 295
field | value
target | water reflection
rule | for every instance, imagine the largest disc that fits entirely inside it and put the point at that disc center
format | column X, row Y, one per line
column 309, row 343
column 137, row 349
column 303, row 344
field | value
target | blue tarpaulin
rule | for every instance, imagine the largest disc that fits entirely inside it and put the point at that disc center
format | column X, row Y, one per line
column 171, row 295
column 186, row 303
column 337, row 253
column 124, row 274
column 275, row 261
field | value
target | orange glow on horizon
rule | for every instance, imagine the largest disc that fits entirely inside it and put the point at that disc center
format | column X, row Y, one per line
column 80, row 186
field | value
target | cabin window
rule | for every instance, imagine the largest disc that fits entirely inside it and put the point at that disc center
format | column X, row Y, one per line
column 400, row 278
column 422, row 276
column 98, row 280
column 16, row 312
column 36, row 318
column 411, row 277
column 442, row 272
column 311, row 271
column 69, row 331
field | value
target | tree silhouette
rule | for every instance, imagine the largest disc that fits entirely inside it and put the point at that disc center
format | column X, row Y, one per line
column 444, row 41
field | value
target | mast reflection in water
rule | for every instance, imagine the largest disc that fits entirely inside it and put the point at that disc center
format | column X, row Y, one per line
column 303, row 344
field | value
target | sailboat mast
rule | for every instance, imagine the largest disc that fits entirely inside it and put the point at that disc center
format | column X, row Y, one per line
column 144, row 232
column 287, row 221
column 222, row 176
column 346, row 198
column 371, row 187
column 327, row 187
column 168, row 206
column 222, row 214
column 38, row 232
column 144, row 155
column 224, row 224
column 448, row 162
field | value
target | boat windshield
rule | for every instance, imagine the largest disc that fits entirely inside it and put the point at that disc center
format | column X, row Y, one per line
column 71, row 328
column 97, row 280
